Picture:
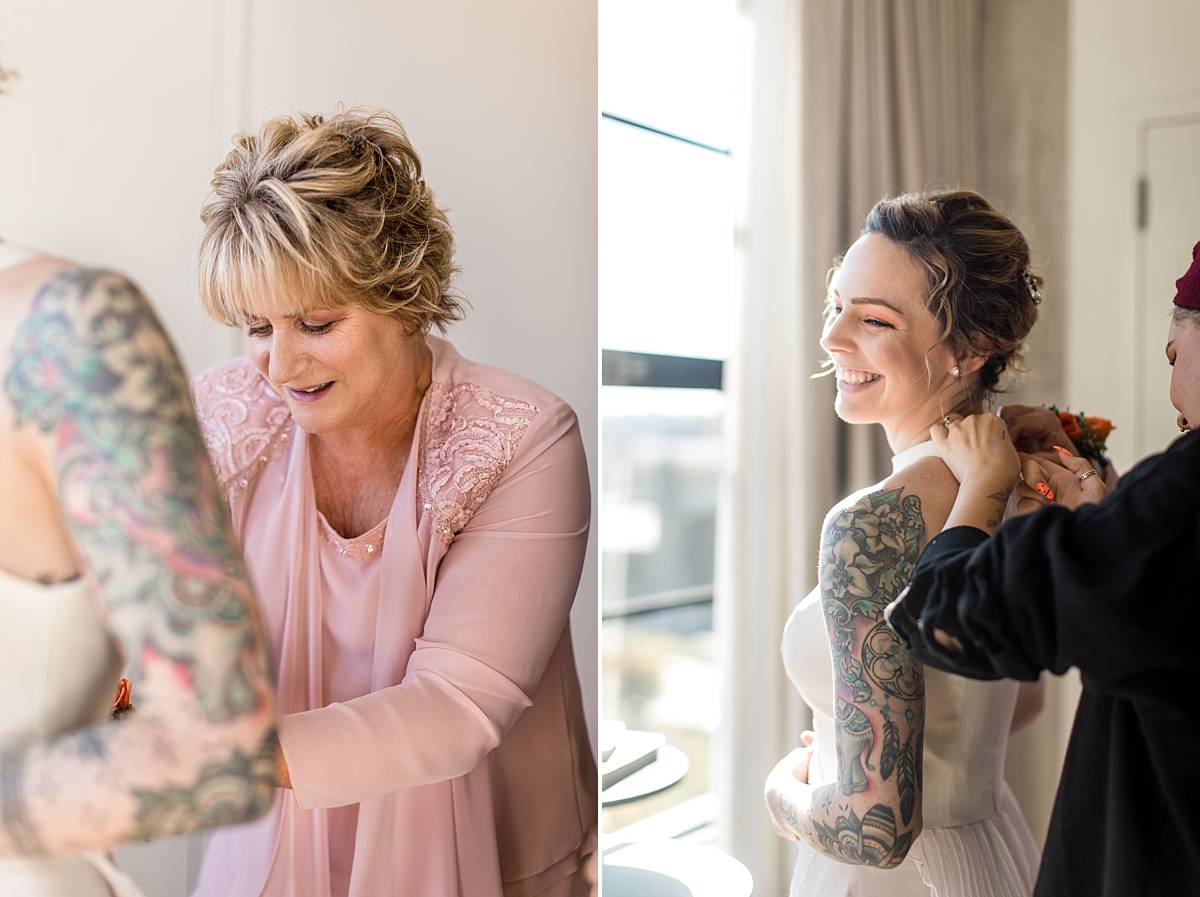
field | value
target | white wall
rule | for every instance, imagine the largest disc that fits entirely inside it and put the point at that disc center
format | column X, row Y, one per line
column 1024, row 148
column 124, row 108
column 1123, row 63
column 1126, row 63
column 1129, row 61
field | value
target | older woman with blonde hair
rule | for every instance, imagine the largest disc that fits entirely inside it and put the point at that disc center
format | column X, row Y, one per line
column 415, row 524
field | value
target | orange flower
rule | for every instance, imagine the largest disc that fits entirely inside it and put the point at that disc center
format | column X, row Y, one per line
column 1088, row 433
column 1070, row 425
column 1099, row 427
column 123, row 700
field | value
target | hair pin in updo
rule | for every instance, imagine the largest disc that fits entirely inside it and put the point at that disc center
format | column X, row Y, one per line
column 1030, row 284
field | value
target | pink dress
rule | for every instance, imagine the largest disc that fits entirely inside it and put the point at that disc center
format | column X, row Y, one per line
column 433, row 725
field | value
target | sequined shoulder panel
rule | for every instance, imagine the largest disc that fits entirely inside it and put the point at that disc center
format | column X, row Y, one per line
column 246, row 425
column 469, row 437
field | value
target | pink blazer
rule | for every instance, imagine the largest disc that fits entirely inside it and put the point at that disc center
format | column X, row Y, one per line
column 467, row 755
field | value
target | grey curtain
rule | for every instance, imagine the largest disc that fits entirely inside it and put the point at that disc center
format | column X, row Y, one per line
column 890, row 103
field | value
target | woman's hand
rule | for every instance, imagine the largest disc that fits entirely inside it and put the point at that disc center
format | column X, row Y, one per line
column 787, row 791
column 804, row 755
column 1034, row 429
column 979, row 454
column 1038, row 431
column 978, row 451
column 1030, row 499
column 1047, row 482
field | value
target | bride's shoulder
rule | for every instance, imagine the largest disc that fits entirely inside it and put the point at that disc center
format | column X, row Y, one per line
column 927, row 476
column 920, row 495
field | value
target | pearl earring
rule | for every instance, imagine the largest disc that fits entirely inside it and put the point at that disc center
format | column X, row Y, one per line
column 956, row 371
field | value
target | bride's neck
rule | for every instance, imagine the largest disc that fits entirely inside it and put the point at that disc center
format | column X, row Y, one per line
column 913, row 428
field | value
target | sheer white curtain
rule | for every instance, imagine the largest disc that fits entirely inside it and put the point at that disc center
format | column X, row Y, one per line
column 850, row 100
column 781, row 453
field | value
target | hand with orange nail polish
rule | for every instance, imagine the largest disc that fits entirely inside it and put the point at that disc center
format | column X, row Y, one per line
column 1058, row 481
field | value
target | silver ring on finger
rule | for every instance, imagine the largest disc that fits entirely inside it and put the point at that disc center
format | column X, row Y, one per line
column 1090, row 472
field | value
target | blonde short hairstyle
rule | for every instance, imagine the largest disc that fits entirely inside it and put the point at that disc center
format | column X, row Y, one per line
column 321, row 213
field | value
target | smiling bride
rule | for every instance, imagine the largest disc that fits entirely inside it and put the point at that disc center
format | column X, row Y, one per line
column 901, row 793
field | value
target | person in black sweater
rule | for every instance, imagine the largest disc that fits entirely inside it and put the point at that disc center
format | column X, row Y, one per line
column 1108, row 583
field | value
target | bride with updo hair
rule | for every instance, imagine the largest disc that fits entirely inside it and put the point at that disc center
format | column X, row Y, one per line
column 900, row 791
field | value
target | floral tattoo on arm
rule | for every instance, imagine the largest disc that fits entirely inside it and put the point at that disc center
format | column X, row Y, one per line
column 93, row 370
column 868, row 551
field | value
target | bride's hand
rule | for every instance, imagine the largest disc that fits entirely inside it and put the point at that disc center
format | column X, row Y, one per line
column 977, row 449
column 807, row 745
column 784, row 790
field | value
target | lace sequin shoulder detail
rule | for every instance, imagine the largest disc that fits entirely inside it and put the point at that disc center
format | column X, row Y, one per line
column 469, row 437
column 245, row 424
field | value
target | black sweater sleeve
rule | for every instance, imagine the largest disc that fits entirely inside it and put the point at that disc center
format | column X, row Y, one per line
column 1111, row 588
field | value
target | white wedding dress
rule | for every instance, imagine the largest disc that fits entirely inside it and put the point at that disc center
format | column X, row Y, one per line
column 975, row 842
column 60, row 672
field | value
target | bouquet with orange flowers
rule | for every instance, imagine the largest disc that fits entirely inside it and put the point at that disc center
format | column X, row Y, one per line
column 1089, row 433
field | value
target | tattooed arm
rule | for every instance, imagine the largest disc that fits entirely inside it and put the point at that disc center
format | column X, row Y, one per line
column 92, row 384
column 872, row 814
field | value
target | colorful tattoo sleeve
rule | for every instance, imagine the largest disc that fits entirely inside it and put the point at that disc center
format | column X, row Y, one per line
column 871, row 815
column 94, row 372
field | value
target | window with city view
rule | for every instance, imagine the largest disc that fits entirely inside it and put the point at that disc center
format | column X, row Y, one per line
column 666, row 294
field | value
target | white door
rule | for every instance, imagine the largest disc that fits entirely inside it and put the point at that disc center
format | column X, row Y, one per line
column 1171, row 227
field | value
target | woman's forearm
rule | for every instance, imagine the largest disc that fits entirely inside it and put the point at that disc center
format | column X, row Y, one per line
column 853, row 831
column 346, row 752
column 980, row 505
